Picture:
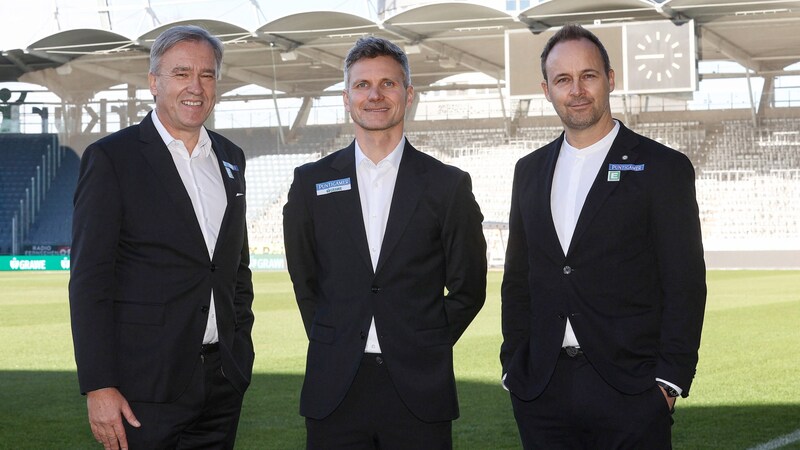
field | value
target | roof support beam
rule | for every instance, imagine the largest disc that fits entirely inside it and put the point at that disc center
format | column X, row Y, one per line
column 460, row 57
column 279, row 42
column 729, row 49
column 140, row 81
column 52, row 82
column 18, row 62
column 248, row 76
column 51, row 56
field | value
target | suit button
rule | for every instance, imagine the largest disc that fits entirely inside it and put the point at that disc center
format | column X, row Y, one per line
column 204, row 309
column 375, row 289
column 363, row 336
column 213, row 267
column 567, row 270
column 562, row 316
column 379, row 360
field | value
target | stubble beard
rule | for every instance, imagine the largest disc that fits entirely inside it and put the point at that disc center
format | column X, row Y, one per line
column 581, row 120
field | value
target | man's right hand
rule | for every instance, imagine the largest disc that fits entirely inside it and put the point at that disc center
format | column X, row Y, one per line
column 106, row 408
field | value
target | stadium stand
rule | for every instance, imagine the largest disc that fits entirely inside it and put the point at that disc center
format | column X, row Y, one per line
column 749, row 187
column 52, row 227
column 30, row 162
column 748, row 176
column 268, row 180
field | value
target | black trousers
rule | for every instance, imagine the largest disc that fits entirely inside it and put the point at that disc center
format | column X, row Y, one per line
column 579, row 410
column 373, row 416
column 205, row 416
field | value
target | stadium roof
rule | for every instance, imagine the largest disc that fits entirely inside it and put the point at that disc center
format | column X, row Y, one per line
column 302, row 54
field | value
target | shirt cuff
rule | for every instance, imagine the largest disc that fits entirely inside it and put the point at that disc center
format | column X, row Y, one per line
column 674, row 386
column 503, row 382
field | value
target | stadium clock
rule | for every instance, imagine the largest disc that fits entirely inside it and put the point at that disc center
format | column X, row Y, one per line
column 659, row 57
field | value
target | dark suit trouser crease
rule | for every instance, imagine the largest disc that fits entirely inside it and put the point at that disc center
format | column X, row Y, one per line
column 373, row 416
column 205, row 416
column 579, row 410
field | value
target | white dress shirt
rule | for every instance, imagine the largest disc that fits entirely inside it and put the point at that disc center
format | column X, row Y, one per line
column 202, row 179
column 375, row 189
column 576, row 170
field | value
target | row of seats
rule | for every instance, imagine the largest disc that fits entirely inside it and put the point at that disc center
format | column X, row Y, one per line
column 737, row 200
column 742, row 146
column 21, row 154
column 747, row 176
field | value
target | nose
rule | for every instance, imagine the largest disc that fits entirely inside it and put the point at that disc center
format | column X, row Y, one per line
column 375, row 94
column 195, row 84
column 576, row 88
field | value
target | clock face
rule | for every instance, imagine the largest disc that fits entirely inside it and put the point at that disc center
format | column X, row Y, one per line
column 660, row 57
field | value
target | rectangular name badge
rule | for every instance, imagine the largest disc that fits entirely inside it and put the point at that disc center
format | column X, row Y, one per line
column 615, row 170
column 333, row 186
column 626, row 167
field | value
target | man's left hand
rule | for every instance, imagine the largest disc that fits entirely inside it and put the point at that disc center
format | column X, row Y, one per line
column 670, row 400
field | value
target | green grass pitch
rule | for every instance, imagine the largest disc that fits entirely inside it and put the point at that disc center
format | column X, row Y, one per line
column 746, row 392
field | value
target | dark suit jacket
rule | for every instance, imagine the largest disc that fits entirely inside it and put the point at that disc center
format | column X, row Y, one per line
column 141, row 276
column 433, row 241
column 632, row 282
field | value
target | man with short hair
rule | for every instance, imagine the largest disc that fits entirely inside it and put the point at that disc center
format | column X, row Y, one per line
column 604, row 288
column 160, row 290
column 385, row 249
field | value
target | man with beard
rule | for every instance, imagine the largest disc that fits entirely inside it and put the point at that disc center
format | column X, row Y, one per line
column 604, row 289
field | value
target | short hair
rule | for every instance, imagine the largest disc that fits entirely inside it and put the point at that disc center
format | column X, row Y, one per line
column 573, row 32
column 372, row 47
column 184, row 33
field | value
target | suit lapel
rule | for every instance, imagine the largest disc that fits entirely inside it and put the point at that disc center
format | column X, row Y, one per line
column 408, row 189
column 349, row 202
column 222, row 157
column 602, row 188
column 160, row 161
column 547, row 229
column 230, row 190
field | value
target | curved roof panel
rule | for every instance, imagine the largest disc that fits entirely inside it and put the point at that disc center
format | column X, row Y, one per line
column 302, row 54
column 74, row 43
column 224, row 30
column 558, row 12
column 305, row 28
column 431, row 20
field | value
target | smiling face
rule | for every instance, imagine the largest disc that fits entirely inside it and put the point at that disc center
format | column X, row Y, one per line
column 578, row 87
column 375, row 97
column 185, row 88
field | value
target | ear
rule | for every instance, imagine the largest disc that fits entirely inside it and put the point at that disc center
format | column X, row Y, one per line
column 546, row 91
column 409, row 95
column 346, row 100
column 611, row 80
column 151, row 79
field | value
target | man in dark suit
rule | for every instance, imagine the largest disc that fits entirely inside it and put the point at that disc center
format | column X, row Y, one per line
column 604, row 286
column 160, row 289
column 386, row 253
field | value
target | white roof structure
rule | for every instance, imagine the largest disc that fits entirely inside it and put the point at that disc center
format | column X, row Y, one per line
column 302, row 54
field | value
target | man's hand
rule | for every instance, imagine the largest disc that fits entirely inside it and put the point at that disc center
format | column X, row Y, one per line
column 670, row 400
column 106, row 408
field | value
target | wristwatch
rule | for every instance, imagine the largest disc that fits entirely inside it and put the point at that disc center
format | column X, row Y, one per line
column 671, row 392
